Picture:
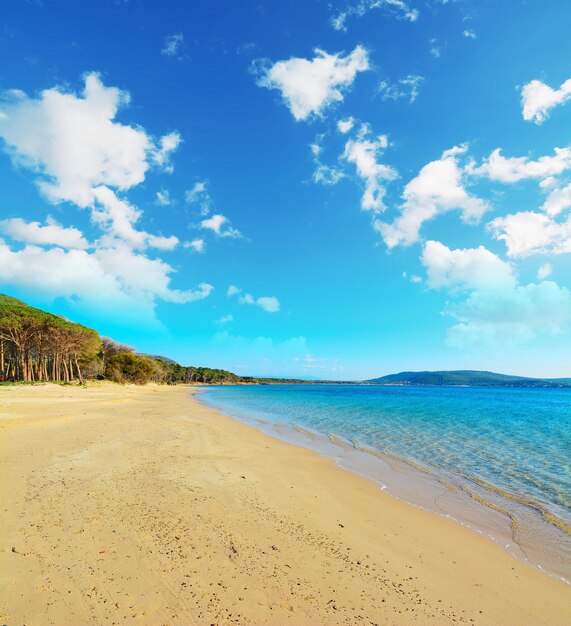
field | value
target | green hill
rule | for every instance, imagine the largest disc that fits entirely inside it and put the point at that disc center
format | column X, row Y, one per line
column 467, row 377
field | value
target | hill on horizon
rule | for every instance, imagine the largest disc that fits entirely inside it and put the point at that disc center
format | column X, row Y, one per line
column 467, row 377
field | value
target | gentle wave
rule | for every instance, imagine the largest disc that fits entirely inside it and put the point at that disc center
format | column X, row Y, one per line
column 505, row 449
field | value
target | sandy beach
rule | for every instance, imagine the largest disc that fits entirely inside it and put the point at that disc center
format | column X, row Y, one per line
column 139, row 505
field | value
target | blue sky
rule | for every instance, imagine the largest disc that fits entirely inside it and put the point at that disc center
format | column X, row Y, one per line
column 321, row 189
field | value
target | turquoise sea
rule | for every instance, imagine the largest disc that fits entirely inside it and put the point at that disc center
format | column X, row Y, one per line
column 496, row 459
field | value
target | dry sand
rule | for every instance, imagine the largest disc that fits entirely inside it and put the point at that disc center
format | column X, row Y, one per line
column 125, row 505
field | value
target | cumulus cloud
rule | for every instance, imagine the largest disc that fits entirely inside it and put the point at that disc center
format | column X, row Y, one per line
column 364, row 151
column 220, row 225
column 344, row 126
column 496, row 309
column 172, row 44
column 196, row 244
column 510, row 317
column 537, row 99
column 162, row 153
column 468, row 268
column 118, row 217
column 309, row 86
column 270, row 304
column 407, row 87
column 80, row 154
column 514, row 169
column 358, row 8
column 558, row 201
column 127, row 282
column 469, row 34
column 73, row 143
column 438, row 188
column 50, row 234
column 529, row 232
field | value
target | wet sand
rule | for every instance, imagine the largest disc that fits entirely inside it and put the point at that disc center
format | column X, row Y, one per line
column 139, row 505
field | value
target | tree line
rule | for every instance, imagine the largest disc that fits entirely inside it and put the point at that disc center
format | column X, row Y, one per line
column 36, row 346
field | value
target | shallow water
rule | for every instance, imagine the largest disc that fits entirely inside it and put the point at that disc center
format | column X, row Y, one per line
column 495, row 459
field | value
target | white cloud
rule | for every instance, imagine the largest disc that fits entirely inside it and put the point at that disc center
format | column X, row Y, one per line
column 510, row 317
column 220, row 225
column 73, row 143
column 217, row 223
column 163, row 198
column 79, row 153
column 269, row 304
column 128, row 283
column 247, row 298
column 496, row 310
column 200, row 196
column 438, row 188
column 358, row 8
column 172, row 44
column 118, row 217
column 406, row 87
column 142, row 274
column 537, row 99
column 558, row 200
column 469, row 34
column 528, row 232
column 513, row 169
column 548, row 183
column 196, row 244
column 162, row 153
column 344, row 126
column 544, row 271
column 308, row 86
column 327, row 174
column 323, row 173
column 364, row 152
column 413, row 278
column 468, row 268
column 51, row 233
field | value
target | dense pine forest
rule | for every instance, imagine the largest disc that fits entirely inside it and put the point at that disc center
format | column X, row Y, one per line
column 36, row 346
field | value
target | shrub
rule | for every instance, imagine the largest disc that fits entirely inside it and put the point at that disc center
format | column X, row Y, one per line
column 127, row 367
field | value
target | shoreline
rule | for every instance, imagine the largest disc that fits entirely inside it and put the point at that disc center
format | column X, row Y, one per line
column 521, row 527
column 141, row 505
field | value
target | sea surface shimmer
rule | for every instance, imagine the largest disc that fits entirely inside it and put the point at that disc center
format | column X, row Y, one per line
column 496, row 459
